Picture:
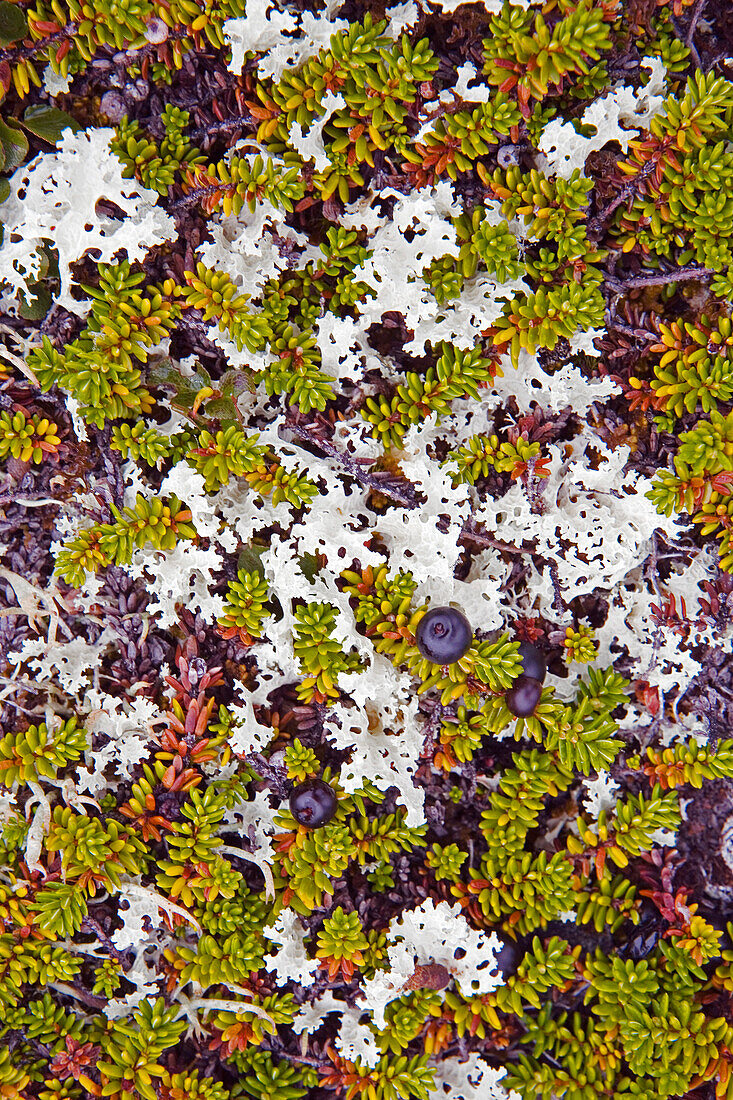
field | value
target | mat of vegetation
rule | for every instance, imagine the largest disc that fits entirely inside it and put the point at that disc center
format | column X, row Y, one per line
column 366, row 427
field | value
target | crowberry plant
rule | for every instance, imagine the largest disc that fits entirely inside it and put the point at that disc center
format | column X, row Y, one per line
column 346, row 324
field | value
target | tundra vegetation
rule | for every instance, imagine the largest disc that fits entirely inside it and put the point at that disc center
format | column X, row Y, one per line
column 366, row 429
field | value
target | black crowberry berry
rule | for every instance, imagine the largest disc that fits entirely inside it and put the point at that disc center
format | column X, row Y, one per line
column 313, row 803
column 533, row 661
column 523, row 696
column 443, row 635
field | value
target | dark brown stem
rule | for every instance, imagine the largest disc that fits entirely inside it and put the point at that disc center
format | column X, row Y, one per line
column 133, row 53
column 637, row 333
column 218, row 128
column 595, row 224
column 80, row 994
column 559, row 602
column 89, row 924
column 696, row 13
column 407, row 499
column 481, row 539
column 20, row 53
column 193, row 197
column 680, row 275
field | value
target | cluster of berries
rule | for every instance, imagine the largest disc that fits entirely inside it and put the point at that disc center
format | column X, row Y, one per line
column 524, row 694
column 443, row 636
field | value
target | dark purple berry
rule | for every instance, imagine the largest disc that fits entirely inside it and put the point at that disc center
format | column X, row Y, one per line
column 443, row 635
column 533, row 661
column 313, row 803
column 523, row 696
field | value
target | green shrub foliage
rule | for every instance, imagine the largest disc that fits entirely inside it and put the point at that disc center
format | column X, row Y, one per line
column 390, row 322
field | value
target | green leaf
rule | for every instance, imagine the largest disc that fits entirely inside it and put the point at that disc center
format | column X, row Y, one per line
column 13, row 147
column 309, row 566
column 48, row 122
column 233, row 382
column 165, row 373
column 4, row 190
column 250, row 559
column 12, row 23
column 223, row 408
column 33, row 309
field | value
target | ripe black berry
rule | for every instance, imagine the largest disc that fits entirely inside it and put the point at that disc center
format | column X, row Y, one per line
column 443, row 635
column 313, row 803
column 523, row 696
column 533, row 661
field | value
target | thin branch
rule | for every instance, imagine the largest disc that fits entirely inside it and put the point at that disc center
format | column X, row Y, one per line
column 636, row 333
column 220, row 187
column 80, row 995
column 682, row 274
column 481, row 539
column 714, row 61
column 696, row 13
column 307, row 1061
column 559, row 601
column 40, row 503
column 193, row 197
column 89, row 924
column 595, row 224
column 219, row 128
column 407, row 500
column 20, row 53
column 16, row 706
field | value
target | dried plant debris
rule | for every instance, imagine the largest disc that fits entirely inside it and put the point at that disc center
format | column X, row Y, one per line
column 366, row 588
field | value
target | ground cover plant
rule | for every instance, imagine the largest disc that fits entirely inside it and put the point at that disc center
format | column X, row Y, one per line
column 366, row 428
